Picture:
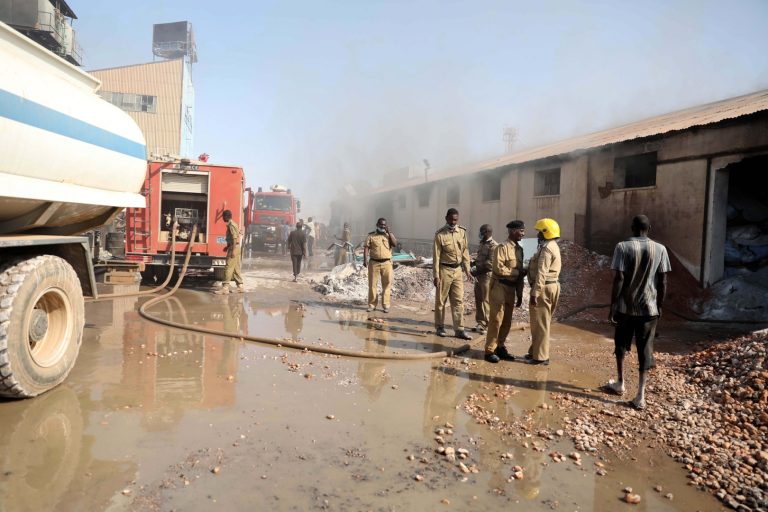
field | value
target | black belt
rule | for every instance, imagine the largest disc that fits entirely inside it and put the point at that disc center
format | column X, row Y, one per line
column 507, row 282
column 450, row 265
column 551, row 282
column 377, row 260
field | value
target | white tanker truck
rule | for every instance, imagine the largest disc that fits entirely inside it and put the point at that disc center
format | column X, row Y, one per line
column 69, row 161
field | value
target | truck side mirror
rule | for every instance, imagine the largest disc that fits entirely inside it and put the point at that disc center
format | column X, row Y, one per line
column 298, row 206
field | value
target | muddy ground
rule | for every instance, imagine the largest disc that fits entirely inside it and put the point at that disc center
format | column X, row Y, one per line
column 158, row 419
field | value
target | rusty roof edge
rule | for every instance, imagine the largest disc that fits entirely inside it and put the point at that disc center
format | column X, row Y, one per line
column 700, row 115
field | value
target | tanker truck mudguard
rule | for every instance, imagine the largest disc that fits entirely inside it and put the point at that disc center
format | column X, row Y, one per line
column 71, row 162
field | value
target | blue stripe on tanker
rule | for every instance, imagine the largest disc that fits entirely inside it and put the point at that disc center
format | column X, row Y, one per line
column 33, row 114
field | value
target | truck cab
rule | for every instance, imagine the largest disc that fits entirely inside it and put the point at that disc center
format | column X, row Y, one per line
column 267, row 212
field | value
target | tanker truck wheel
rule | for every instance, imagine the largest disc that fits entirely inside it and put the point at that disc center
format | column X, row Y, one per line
column 41, row 324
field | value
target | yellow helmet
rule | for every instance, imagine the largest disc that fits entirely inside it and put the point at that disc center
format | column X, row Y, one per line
column 548, row 227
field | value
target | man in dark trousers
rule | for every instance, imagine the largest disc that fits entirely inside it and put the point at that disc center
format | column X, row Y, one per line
column 640, row 268
column 297, row 247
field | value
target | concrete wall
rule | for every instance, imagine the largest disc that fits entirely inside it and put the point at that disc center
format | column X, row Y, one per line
column 674, row 206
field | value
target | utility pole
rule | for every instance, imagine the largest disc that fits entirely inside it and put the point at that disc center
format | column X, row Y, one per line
column 509, row 135
column 427, row 167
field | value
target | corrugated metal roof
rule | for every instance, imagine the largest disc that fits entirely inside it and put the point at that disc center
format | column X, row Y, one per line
column 681, row 120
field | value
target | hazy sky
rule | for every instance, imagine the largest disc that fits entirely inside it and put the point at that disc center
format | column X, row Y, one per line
column 313, row 94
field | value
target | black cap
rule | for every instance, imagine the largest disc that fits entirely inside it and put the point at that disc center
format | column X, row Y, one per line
column 515, row 224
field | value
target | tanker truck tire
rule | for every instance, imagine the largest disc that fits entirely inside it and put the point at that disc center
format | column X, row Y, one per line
column 41, row 324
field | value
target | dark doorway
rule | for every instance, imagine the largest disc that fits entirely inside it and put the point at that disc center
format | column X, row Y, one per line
column 746, row 239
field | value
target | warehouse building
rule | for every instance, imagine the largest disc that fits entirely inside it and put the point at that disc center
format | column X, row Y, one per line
column 700, row 174
column 159, row 95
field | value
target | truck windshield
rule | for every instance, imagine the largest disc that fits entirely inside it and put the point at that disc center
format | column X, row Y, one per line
column 275, row 203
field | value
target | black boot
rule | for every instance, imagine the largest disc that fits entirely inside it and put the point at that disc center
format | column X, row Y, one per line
column 502, row 353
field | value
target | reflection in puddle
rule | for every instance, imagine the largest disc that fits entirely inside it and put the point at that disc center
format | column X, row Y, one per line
column 143, row 398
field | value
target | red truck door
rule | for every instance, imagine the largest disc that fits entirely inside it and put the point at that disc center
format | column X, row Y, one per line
column 137, row 223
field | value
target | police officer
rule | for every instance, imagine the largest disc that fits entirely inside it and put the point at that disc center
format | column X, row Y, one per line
column 506, row 274
column 450, row 256
column 232, row 270
column 543, row 274
column 377, row 256
column 481, row 271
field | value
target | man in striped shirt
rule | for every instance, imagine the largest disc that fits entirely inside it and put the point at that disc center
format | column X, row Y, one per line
column 640, row 268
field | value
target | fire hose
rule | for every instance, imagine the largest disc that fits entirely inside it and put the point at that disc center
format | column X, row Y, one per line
column 143, row 311
column 157, row 288
column 687, row 318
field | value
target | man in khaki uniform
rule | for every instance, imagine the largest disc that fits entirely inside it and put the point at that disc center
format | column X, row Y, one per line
column 506, row 275
column 543, row 274
column 450, row 256
column 481, row 271
column 232, row 270
column 378, row 246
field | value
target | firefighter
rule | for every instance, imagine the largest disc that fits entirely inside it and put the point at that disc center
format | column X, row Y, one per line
column 450, row 257
column 507, row 273
column 233, row 256
column 543, row 274
column 379, row 246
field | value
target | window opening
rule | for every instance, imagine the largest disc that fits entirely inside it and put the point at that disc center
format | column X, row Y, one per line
column 635, row 171
column 546, row 183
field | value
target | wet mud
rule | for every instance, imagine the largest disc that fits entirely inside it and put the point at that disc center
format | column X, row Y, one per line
column 153, row 418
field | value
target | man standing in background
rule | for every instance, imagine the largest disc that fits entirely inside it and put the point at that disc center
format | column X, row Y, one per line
column 481, row 271
column 310, row 227
column 232, row 270
column 345, row 239
column 640, row 268
column 379, row 246
column 297, row 246
column 285, row 232
column 450, row 257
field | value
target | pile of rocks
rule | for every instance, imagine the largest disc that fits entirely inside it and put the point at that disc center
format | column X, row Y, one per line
column 585, row 279
column 723, row 434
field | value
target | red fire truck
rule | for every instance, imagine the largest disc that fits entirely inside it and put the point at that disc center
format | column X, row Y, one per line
column 188, row 193
column 267, row 212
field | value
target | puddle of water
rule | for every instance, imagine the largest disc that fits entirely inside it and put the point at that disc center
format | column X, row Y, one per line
column 154, row 410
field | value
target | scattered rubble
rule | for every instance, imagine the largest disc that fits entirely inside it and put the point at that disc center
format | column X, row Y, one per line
column 347, row 282
column 707, row 409
column 741, row 297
